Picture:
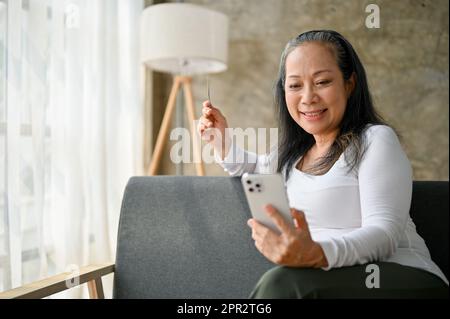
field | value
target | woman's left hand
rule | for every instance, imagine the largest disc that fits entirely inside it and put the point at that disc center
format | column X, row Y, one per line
column 294, row 247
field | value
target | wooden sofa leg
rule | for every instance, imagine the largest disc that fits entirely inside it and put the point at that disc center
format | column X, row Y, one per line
column 96, row 289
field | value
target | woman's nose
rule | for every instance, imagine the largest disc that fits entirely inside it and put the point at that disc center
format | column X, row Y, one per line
column 308, row 96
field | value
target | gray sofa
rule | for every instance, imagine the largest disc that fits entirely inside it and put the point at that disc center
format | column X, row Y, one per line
column 186, row 237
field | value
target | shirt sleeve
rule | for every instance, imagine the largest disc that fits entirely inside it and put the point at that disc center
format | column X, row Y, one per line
column 238, row 161
column 385, row 186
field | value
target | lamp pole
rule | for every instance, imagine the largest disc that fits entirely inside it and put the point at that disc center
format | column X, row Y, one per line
column 179, row 120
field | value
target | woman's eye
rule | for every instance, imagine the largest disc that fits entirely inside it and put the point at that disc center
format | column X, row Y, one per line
column 294, row 86
column 324, row 82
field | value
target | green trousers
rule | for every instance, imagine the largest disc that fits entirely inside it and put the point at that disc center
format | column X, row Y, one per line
column 385, row 280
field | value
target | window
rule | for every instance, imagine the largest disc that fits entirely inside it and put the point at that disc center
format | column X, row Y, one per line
column 70, row 134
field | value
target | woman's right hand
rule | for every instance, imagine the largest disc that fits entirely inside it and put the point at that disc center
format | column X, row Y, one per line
column 211, row 127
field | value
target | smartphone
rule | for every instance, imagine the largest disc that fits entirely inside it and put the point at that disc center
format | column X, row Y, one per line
column 263, row 189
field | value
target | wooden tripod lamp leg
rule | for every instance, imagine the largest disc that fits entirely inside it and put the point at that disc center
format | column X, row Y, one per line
column 164, row 130
column 191, row 116
column 95, row 288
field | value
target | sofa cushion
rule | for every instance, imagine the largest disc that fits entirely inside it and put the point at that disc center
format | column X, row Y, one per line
column 429, row 211
column 185, row 237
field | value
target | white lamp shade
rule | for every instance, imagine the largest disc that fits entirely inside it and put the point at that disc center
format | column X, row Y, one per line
column 181, row 38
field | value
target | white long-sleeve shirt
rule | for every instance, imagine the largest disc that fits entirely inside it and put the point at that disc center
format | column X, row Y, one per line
column 357, row 217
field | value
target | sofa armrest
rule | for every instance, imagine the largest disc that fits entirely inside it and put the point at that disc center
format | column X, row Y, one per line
column 43, row 288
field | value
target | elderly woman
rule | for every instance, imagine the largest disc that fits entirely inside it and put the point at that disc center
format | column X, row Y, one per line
column 348, row 181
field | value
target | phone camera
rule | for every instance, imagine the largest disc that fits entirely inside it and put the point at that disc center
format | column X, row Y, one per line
column 250, row 189
column 249, row 182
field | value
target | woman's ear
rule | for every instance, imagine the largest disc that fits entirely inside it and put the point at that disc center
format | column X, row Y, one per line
column 350, row 85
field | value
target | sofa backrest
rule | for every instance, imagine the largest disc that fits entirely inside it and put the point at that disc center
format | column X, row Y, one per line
column 429, row 211
column 185, row 237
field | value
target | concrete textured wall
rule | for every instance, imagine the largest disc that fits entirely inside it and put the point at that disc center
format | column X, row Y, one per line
column 406, row 60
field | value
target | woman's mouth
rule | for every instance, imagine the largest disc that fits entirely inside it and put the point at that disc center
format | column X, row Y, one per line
column 314, row 115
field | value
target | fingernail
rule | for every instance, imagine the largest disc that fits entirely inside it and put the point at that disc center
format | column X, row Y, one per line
column 249, row 223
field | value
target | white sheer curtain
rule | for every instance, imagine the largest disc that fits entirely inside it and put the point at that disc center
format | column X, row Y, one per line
column 70, row 132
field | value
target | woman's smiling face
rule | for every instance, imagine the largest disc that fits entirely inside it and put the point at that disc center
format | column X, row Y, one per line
column 316, row 93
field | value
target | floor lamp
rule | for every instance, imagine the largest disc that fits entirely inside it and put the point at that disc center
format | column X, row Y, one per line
column 183, row 40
